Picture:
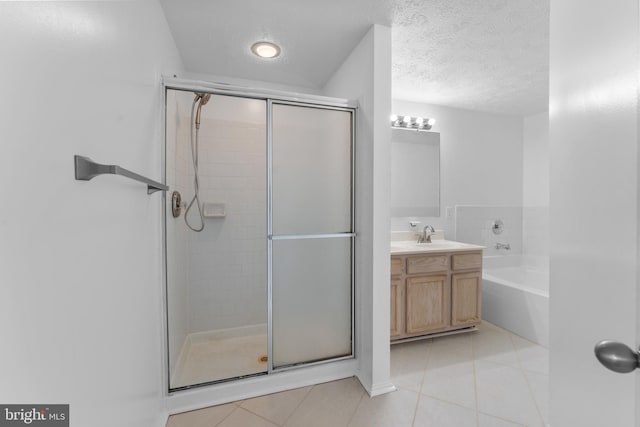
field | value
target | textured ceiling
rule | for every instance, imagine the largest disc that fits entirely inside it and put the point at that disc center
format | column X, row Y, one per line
column 485, row 55
column 490, row 55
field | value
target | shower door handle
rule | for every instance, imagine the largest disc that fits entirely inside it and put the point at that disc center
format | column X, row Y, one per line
column 617, row 356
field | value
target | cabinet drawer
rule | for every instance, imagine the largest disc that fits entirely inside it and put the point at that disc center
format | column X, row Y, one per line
column 396, row 266
column 467, row 261
column 427, row 264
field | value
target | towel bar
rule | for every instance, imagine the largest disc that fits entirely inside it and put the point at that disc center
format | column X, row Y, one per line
column 87, row 169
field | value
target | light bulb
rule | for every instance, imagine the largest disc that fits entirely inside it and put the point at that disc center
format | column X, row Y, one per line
column 265, row 49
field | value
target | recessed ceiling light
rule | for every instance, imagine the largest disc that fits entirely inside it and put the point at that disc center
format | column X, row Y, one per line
column 265, row 49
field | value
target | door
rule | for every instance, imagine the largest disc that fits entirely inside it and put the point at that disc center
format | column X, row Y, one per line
column 593, row 186
column 397, row 307
column 465, row 298
column 427, row 303
column 215, row 243
column 311, row 233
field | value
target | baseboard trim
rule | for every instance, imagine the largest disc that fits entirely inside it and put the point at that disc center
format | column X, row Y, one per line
column 380, row 389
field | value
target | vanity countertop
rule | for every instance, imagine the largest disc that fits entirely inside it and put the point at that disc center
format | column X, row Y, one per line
column 404, row 247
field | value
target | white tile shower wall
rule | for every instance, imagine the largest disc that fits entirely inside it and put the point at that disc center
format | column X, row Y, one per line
column 535, row 230
column 227, row 284
column 474, row 225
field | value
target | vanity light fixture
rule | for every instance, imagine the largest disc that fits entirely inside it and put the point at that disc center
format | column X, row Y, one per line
column 265, row 49
column 411, row 123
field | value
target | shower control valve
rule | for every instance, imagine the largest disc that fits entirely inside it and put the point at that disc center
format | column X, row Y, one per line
column 176, row 204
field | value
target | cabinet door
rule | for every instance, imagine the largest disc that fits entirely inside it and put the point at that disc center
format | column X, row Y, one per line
column 397, row 266
column 427, row 303
column 397, row 310
column 465, row 298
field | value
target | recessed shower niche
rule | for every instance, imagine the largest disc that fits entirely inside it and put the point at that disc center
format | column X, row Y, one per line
column 259, row 258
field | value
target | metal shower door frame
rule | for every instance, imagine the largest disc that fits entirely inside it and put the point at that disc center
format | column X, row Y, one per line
column 271, row 237
column 270, row 97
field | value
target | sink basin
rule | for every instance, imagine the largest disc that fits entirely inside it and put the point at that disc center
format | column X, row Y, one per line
column 434, row 246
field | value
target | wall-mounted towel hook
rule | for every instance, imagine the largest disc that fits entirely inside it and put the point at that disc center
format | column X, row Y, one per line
column 87, row 169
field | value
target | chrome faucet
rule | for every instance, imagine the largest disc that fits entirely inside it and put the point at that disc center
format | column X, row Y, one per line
column 506, row 246
column 424, row 237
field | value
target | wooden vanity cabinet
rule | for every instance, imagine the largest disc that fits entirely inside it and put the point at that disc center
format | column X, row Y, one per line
column 435, row 293
column 397, row 297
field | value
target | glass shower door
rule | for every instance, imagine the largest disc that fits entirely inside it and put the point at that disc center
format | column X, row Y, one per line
column 263, row 279
column 216, row 278
column 311, row 233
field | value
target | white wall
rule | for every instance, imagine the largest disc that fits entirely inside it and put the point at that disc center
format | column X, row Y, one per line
column 535, row 167
column 80, row 270
column 366, row 76
column 480, row 159
column 535, row 184
column 593, row 132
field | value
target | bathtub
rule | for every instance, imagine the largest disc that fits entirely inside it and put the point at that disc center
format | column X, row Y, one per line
column 515, row 295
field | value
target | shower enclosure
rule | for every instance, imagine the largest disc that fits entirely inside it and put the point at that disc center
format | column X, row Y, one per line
column 264, row 281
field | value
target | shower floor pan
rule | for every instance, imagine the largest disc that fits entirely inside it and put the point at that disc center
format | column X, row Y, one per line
column 221, row 354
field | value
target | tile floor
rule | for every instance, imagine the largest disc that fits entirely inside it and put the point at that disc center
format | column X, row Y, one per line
column 488, row 378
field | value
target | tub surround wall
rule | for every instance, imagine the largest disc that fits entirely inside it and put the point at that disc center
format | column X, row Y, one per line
column 535, row 230
column 474, row 225
column 480, row 160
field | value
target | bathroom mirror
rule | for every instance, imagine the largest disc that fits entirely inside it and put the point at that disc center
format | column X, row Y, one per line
column 415, row 173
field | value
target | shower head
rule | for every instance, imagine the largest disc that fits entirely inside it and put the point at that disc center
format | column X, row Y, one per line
column 204, row 98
